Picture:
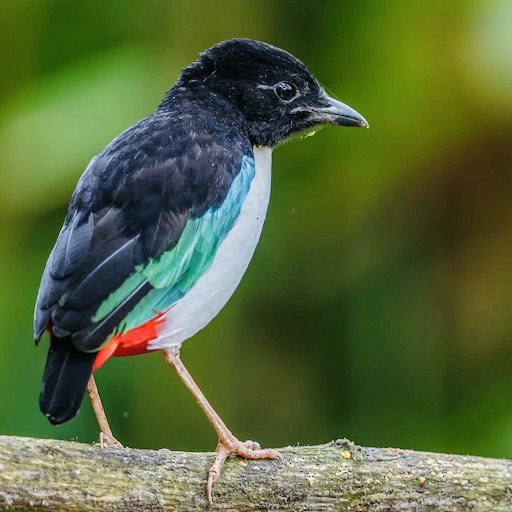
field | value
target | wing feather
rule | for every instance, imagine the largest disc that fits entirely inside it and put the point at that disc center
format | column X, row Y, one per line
column 118, row 262
column 137, row 223
column 71, row 247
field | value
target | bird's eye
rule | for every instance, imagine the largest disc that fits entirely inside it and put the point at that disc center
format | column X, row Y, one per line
column 286, row 91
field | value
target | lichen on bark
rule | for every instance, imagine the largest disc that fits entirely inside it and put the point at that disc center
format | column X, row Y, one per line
column 48, row 475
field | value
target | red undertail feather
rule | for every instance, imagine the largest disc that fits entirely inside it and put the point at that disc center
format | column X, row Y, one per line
column 130, row 343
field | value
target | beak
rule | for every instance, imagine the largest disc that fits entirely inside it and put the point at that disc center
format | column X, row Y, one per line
column 336, row 113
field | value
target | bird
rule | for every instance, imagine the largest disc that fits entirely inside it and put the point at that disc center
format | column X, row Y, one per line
column 164, row 221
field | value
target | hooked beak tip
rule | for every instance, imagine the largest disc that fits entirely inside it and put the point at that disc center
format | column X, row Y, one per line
column 336, row 113
column 361, row 122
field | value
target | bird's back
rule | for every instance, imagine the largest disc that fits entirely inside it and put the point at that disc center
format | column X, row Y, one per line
column 144, row 224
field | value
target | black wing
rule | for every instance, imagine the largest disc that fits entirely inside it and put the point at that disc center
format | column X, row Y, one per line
column 130, row 205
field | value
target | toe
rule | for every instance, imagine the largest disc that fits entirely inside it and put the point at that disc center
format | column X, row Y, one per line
column 215, row 469
column 276, row 455
column 255, row 453
column 230, row 447
column 209, row 487
column 252, row 445
column 107, row 441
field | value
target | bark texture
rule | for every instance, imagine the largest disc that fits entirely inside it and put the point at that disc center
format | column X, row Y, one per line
column 47, row 475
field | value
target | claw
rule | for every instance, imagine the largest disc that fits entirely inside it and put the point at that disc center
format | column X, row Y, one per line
column 229, row 448
column 228, row 444
column 109, row 441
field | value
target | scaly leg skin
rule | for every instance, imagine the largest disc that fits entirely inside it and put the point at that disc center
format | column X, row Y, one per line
column 107, row 439
column 228, row 445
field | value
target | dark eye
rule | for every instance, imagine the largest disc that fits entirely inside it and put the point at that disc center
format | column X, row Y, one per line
column 286, row 91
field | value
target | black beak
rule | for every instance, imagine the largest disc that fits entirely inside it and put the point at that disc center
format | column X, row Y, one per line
column 334, row 112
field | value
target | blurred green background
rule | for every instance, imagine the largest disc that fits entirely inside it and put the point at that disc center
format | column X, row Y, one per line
column 378, row 304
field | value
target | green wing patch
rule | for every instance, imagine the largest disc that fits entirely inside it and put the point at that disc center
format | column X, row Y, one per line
column 176, row 271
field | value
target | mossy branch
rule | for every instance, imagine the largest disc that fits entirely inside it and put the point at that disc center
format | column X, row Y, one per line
column 47, row 475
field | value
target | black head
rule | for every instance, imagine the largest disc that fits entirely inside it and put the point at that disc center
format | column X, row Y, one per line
column 276, row 93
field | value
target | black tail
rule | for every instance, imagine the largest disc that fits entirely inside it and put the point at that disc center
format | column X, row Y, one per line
column 64, row 380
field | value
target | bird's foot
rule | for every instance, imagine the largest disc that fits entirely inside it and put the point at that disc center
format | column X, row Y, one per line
column 109, row 441
column 230, row 447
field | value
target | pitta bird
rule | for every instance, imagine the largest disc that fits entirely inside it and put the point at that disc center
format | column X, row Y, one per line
column 164, row 222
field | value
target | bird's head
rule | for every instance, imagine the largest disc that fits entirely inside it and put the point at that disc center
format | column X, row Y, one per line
column 276, row 93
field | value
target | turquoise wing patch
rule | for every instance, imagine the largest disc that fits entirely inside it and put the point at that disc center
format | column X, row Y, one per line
column 176, row 271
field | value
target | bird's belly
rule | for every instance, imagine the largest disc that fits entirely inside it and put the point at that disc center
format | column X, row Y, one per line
column 214, row 288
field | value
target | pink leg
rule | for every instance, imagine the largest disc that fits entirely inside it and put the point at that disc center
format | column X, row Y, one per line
column 228, row 444
column 106, row 436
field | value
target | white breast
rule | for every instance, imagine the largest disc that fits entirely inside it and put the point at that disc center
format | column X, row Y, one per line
column 214, row 288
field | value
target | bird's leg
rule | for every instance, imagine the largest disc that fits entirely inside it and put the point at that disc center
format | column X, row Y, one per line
column 228, row 444
column 106, row 436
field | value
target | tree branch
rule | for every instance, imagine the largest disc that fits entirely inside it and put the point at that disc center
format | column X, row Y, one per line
column 46, row 475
